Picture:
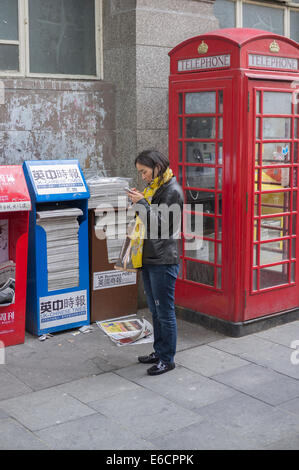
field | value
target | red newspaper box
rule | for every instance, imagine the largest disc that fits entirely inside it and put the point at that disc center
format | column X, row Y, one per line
column 14, row 213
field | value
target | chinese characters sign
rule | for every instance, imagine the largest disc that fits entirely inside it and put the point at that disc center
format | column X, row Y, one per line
column 106, row 279
column 62, row 309
column 57, row 179
column 13, row 189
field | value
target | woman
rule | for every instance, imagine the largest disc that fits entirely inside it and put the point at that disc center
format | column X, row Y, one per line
column 160, row 254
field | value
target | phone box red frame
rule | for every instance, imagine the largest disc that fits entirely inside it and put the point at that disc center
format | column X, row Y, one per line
column 15, row 205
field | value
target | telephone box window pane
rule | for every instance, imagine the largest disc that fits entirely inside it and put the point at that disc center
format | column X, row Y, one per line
column 257, row 153
column 200, row 152
column 198, row 272
column 219, row 198
column 274, row 203
column 219, row 233
column 225, row 12
column 255, row 254
column 219, row 253
column 277, row 103
column 9, row 57
column 294, row 20
column 260, row 17
column 276, row 177
column 180, row 151
column 205, row 251
column 294, row 224
column 220, row 128
column 206, row 199
column 274, row 252
column 276, row 153
column 254, row 279
column 256, row 205
column 219, row 178
column 180, row 128
column 219, row 278
column 200, row 128
column 276, row 128
column 220, row 154
column 193, row 225
column 180, row 103
column 294, row 248
column 199, row 103
column 220, row 109
column 258, row 101
column 208, row 227
column 293, row 272
column 9, row 20
column 295, row 201
column 62, row 37
column 296, row 128
column 274, row 227
column 257, row 128
column 274, row 276
column 200, row 177
column 180, row 176
column 296, row 153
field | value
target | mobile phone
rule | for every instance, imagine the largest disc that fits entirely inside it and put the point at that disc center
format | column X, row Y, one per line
column 128, row 190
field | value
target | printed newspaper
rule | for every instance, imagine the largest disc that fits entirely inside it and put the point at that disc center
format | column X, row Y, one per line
column 127, row 331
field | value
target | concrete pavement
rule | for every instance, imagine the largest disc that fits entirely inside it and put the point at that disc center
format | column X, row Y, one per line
column 83, row 392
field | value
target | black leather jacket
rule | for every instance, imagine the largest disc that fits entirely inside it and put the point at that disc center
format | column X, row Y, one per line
column 161, row 245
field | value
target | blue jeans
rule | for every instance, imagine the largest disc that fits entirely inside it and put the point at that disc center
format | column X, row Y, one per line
column 159, row 284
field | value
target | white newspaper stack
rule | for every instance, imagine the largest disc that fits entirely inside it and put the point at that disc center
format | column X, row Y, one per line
column 107, row 192
column 105, row 195
column 112, row 225
column 61, row 227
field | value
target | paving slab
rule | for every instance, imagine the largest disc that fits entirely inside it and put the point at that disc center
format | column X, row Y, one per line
column 56, row 364
column 205, row 435
column 97, row 387
column 95, row 432
column 239, row 346
column 44, row 408
column 185, row 387
column 260, row 382
column 14, row 436
column 283, row 334
column 146, row 413
column 208, row 361
column 11, row 386
column 236, row 412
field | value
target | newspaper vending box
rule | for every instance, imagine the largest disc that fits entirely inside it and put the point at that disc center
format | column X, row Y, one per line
column 58, row 272
column 14, row 209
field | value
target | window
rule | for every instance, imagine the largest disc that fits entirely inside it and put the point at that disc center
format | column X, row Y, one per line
column 277, row 17
column 59, row 38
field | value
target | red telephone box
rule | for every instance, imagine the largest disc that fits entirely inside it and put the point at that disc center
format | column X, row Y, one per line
column 233, row 144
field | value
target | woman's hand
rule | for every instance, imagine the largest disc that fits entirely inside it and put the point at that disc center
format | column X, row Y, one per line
column 135, row 195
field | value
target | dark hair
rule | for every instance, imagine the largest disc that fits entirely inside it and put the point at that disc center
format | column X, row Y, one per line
column 152, row 158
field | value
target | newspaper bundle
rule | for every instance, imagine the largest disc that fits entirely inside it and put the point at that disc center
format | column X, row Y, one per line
column 61, row 227
column 128, row 331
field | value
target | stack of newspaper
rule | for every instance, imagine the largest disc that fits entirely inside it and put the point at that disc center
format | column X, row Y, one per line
column 7, row 282
column 112, row 225
column 61, row 227
column 107, row 192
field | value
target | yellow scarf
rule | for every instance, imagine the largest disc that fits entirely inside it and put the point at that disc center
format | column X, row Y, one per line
column 137, row 236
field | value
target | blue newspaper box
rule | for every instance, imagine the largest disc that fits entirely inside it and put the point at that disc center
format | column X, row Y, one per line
column 58, row 270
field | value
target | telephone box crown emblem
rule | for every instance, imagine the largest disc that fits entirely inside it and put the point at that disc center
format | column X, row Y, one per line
column 202, row 48
column 274, row 47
